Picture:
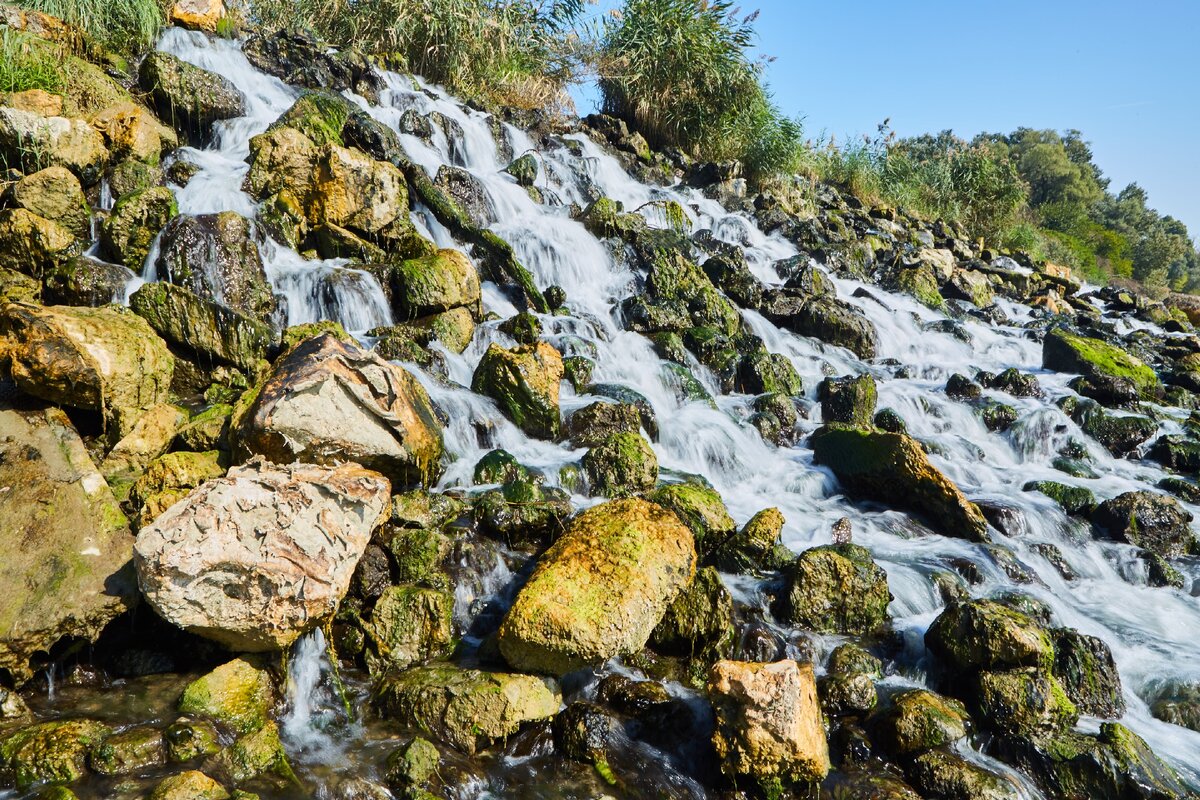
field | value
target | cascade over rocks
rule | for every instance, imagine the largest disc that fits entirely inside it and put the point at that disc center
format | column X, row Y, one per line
column 328, row 401
column 257, row 558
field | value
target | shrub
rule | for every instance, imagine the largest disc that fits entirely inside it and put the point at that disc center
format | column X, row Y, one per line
column 514, row 52
column 119, row 24
column 678, row 72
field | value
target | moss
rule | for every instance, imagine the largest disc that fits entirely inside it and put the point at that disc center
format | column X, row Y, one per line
column 50, row 752
column 308, row 330
column 836, row 589
column 319, row 115
column 919, row 720
column 922, row 284
column 1073, row 499
column 983, row 634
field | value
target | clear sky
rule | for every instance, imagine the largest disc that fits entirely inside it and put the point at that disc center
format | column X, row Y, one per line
column 1127, row 74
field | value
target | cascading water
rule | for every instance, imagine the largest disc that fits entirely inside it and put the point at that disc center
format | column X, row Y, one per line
column 1151, row 631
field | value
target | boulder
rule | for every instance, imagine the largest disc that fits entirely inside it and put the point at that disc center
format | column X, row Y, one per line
column 187, row 739
column 434, row 284
column 1149, row 520
column 466, row 708
column 983, row 634
column 524, row 382
column 257, row 754
column 942, row 772
column 66, row 541
column 849, row 400
column 699, row 622
column 1085, row 668
column 217, row 257
column 600, row 590
column 132, row 132
column 407, row 625
column 623, row 464
column 768, row 723
column 129, row 751
column 129, row 231
column 237, row 694
column 893, row 469
column 592, row 424
column 1024, row 702
column 54, row 194
column 701, row 509
column 189, row 785
column 257, row 558
column 756, row 546
column 1068, row 352
column 32, row 141
column 50, row 752
column 973, row 287
column 99, row 359
column 351, row 190
column 830, row 320
column 210, row 333
column 198, row 15
column 150, row 437
column 169, row 479
column 33, row 245
column 188, row 97
column 86, row 281
column 836, row 589
column 328, row 401
column 919, row 720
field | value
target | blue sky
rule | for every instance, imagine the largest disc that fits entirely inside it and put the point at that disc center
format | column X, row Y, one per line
column 1126, row 74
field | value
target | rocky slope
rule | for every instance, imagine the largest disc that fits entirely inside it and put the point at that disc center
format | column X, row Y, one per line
column 623, row 482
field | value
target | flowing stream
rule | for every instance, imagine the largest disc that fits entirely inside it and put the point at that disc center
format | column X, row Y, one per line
column 1152, row 631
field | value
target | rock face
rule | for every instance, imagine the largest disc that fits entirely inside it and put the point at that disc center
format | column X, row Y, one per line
column 524, row 383
column 328, row 401
column 257, row 558
column 768, row 722
column 600, row 590
column 54, row 193
column 98, row 359
column 33, row 245
column 66, row 542
column 467, row 708
column 892, row 468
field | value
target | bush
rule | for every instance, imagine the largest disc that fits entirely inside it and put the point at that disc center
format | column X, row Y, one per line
column 677, row 71
column 515, row 52
column 27, row 62
column 120, row 24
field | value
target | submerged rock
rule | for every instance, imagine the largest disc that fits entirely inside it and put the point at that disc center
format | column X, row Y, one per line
column 50, row 752
column 66, row 541
column 237, row 694
column 892, row 468
column 328, row 401
column 600, row 590
column 768, row 723
column 257, row 558
column 468, row 709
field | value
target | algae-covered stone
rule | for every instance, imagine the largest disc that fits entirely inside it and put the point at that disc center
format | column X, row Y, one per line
column 54, row 194
column 500, row 466
column 32, row 141
column 328, row 401
column 1153, row 521
column 33, row 245
column 1024, row 702
column 67, row 542
column 418, row 556
column 919, row 720
column 1084, row 666
column 941, row 772
column 921, row 283
column 700, row 620
column 190, row 785
column 849, row 400
column 408, row 624
column 149, row 438
column 433, row 284
column 175, row 471
column 983, row 634
column 129, row 751
column 238, row 694
column 411, row 767
column 621, row 465
column 136, row 219
column 1075, row 500
column 186, row 739
column 892, row 468
column 594, row 423
column 50, row 752
column 206, row 430
column 255, row 754
column 466, row 708
column 102, row 359
column 756, row 546
column 836, row 589
column 203, row 329
column 1067, row 352
column 600, row 590
column 187, row 96
column 768, row 722
column 523, row 512
column 701, row 509
column 524, row 382
column 133, row 134
column 849, row 694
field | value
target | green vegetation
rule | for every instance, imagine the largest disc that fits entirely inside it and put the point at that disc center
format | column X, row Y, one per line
column 119, row 24
column 513, row 52
column 27, row 62
column 678, row 72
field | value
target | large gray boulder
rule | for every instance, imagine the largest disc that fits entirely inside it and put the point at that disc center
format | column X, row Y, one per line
column 257, row 558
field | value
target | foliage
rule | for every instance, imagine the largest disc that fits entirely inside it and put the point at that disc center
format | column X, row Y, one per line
column 514, row 52
column 119, row 24
column 27, row 62
column 678, row 72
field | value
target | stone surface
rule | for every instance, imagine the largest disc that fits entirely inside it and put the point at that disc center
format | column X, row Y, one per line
column 599, row 590
column 66, row 542
column 188, row 97
column 54, row 193
column 328, row 401
column 768, row 722
column 257, row 558
column 1067, row 352
column 1154, row 521
column 50, row 752
column 33, row 245
column 129, row 231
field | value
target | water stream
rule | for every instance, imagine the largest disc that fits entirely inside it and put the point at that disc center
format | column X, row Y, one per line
column 1152, row 631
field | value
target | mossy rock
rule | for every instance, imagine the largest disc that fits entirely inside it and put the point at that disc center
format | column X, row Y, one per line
column 524, row 382
column 187, row 96
column 129, row 751
column 296, row 334
column 238, row 694
column 920, row 720
column 606, row 218
column 921, row 283
column 523, row 512
column 129, row 231
column 848, row 694
column 623, row 464
column 207, row 430
column 187, row 739
column 524, row 169
column 701, row 509
column 983, row 634
column 1084, row 666
column 835, row 589
column 756, row 547
column 892, row 468
column 1075, row 500
column 941, row 772
column 1024, row 702
column 699, row 623
column 1149, row 520
column 50, row 752
column 255, row 754
column 190, row 785
column 850, row 400
column 500, row 466
column 1068, row 352
column 54, row 193
column 412, row 767
column 408, row 624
